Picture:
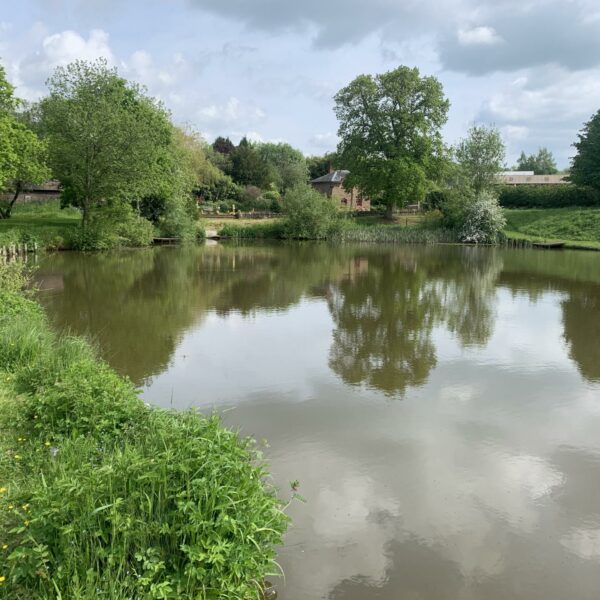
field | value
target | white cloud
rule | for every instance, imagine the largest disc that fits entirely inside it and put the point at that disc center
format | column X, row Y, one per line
column 325, row 141
column 62, row 48
column 232, row 111
column 478, row 36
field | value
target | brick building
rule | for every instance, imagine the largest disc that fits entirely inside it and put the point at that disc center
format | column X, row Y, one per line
column 332, row 186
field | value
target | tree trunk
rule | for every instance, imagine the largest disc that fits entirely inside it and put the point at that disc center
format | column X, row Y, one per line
column 389, row 212
column 5, row 213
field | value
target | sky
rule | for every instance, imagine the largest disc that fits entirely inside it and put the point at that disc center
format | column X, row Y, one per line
column 269, row 69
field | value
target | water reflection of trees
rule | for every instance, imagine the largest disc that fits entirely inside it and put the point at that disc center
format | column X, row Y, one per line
column 581, row 321
column 136, row 305
column 385, row 314
column 385, row 301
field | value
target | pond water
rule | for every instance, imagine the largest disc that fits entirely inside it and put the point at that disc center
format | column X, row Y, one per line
column 440, row 406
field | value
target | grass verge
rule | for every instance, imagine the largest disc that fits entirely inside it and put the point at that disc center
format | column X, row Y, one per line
column 576, row 227
column 44, row 223
column 102, row 496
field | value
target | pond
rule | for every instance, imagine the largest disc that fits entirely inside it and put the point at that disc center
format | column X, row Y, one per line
column 440, row 406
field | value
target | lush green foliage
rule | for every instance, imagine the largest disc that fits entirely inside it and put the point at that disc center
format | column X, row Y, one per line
column 288, row 164
column 248, row 167
column 320, row 165
column 106, row 138
column 43, row 223
column 585, row 167
column 480, row 157
column 104, row 497
column 542, row 163
column 547, row 196
column 254, row 231
column 580, row 224
column 483, row 220
column 390, row 132
column 22, row 154
column 310, row 215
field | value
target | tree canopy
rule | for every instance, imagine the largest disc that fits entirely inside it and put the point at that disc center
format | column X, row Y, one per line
column 480, row 157
column 542, row 163
column 390, row 134
column 287, row 163
column 106, row 137
column 249, row 167
column 22, row 154
column 585, row 166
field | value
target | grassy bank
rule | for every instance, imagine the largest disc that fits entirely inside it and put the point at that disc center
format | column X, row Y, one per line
column 41, row 222
column 405, row 229
column 104, row 497
column 576, row 227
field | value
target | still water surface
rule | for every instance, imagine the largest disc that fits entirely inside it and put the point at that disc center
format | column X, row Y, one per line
column 440, row 406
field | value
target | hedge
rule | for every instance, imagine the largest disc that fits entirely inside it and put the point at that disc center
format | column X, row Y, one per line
column 547, row 196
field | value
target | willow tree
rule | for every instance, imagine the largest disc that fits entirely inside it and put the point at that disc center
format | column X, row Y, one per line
column 390, row 134
column 105, row 135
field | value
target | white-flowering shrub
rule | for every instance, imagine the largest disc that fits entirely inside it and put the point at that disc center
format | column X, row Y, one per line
column 483, row 220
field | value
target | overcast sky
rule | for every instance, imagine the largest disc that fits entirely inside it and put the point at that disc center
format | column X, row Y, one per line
column 269, row 68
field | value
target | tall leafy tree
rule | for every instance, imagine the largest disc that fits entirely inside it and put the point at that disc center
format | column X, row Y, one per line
column 249, row 168
column 542, row 163
column 585, row 166
column 288, row 164
column 480, row 157
column 22, row 154
column 223, row 145
column 390, row 134
column 105, row 135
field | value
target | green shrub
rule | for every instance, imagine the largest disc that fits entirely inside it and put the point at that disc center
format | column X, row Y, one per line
column 310, row 215
column 547, row 196
column 112, row 227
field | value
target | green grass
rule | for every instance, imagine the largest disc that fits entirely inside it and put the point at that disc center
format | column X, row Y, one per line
column 577, row 227
column 102, row 496
column 41, row 222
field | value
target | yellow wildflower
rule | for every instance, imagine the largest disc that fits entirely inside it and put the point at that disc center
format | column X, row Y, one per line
column 25, row 506
column 4, row 546
column 10, row 507
column 2, row 579
column 26, row 523
column 17, row 457
column 2, row 490
column 46, row 443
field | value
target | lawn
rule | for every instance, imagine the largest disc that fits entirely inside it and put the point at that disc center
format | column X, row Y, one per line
column 44, row 222
column 578, row 227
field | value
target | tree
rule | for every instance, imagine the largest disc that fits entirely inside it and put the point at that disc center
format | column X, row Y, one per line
column 223, row 146
column 480, row 157
column 22, row 154
column 542, row 163
column 320, row 165
column 390, row 134
column 249, row 168
column 585, row 166
column 106, row 137
column 288, row 164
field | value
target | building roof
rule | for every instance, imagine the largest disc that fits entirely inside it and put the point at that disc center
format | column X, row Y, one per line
column 523, row 177
column 516, row 173
column 333, row 177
